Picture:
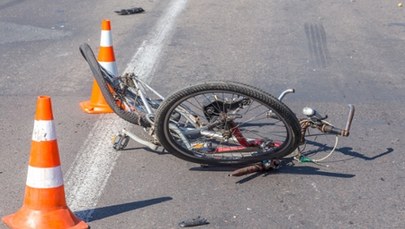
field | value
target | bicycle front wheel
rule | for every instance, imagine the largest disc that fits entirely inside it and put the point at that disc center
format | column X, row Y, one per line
column 114, row 95
column 226, row 123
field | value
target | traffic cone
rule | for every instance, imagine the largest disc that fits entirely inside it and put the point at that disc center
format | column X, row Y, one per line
column 106, row 58
column 44, row 202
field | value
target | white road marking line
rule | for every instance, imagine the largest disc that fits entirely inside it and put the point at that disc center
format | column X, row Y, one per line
column 147, row 56
column 86, row 179
column 88, row 176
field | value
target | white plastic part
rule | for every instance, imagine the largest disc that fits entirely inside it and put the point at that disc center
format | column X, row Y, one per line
column 308, row 111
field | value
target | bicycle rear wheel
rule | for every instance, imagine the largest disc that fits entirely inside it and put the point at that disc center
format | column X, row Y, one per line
column 113, row 91
column 226, row 123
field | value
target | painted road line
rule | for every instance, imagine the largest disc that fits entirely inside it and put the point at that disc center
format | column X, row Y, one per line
column 87, row 177
column 93, row 165
column 147, row 57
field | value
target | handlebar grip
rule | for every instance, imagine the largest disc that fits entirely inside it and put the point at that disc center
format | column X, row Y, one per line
column 346, row 131
column 333, row 130
column 342, row 132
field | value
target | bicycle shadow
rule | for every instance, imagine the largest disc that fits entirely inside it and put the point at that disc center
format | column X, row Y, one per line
column 158, row 151
column 214, row 168
column 108, row 211
column 288, row 166
column 349, row 151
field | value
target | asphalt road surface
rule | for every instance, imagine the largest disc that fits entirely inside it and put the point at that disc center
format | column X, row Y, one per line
column 332, row 52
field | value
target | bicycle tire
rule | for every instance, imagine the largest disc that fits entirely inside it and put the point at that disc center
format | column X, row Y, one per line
column 134, row 117
column 180, row 147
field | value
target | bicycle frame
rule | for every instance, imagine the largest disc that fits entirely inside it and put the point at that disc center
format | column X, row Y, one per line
column 140, row 87
column 246, row 145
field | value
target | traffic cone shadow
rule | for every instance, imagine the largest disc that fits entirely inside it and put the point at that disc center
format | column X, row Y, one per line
column 44, row 203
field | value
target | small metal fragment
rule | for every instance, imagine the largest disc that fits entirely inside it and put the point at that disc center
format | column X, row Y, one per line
column 135, row 10
column 194, row 222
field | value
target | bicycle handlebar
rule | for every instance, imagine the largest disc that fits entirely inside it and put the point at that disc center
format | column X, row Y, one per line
column 349, row 120
column 311, row 113
column 346, row 131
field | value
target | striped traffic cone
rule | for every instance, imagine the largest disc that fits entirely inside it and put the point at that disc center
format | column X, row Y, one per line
column 106, row 58
column 44, row 202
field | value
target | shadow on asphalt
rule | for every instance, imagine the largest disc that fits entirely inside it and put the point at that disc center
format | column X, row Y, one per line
column 104, row 212
column 349, row 151
column 158, row 151
column 288, row 167
column 346, row 151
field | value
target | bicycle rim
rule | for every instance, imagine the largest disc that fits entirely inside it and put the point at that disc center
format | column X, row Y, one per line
column 226, row 123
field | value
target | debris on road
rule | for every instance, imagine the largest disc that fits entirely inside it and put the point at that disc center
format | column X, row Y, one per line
column 194, row 222
column 135, row 10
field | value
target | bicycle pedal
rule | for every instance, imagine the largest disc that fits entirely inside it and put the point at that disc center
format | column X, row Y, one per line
column 120, row 141
column 273, row 164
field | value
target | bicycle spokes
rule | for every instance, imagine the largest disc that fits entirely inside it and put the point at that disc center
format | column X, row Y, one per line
column 229, row 126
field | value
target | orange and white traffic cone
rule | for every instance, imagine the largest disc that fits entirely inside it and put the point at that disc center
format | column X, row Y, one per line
column 44, row 202
column 106, row 58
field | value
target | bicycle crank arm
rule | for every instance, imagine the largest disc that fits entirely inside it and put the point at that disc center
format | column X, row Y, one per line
column 140, row 141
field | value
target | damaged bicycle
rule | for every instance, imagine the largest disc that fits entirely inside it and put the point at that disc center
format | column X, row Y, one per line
column 213, row 123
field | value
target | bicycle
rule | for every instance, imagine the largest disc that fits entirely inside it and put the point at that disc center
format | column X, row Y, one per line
column 215, row 123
